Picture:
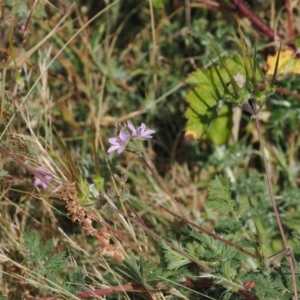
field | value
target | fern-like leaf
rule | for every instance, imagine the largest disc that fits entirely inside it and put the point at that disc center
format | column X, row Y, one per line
column 143, row 272
column 75, row 279
column 57, row 263
column 174, row 259
column 220, row 196
column 37, row 251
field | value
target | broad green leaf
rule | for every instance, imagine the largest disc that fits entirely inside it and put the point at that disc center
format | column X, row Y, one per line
column 204, row 119
column 219, row 131
column 158, row 3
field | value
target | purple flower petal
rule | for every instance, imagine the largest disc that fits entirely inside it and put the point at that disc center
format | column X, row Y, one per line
column 132, row 128
column 147, row 134
column 121, row 149
column 141, row 132
column 119, row 144
column 124, row 137
column 141, row 129
column 113, row 141
column 113, row 148
column 38, row 181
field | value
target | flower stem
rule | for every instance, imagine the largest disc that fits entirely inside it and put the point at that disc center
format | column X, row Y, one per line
column 270, row 187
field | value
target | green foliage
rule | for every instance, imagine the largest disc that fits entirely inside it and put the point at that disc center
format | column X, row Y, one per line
column 143, row 272
column 18, row 7
column 209, row 118
column 234, row 212
column 74, row 279
column 220, row 196
column 174, row 259
column 237, row 204
column 245, row 87
column 38, row 252
column 4, row 174
column 204, row 115
column 104, row 74
column 50, row 267
column 158, row 3
column 222, row 258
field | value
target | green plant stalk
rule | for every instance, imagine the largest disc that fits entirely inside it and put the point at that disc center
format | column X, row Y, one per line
column 254, row 112
column 244, row 51
column 235, row 86
column 270, row 187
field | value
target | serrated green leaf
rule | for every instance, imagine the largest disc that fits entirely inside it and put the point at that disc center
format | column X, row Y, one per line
column 57, row 263
column 38, row 252
column 131, row 269
column 143, row 272
column 228, row 225
column 75, row 279
column 195, row 250
column 220, row 196
column 174, row 259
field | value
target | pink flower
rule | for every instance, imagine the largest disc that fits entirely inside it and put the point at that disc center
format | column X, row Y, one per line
column 22, row 27
column 119, row 143
column 141, row 132
column 39, row 181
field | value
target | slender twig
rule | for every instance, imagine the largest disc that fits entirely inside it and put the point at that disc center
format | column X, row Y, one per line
column 209, row 282
column 21, row 163
column 244, row 10
column 111, row 290
column 46, row 298
column 211, row 234
column 109, row 247
column 270, row 187
column 22, row 58
column 283, row 91
column 211, row 4
column 131, row 287
column 126, row 240
column 163, row 185
column 3, row 95
column 152, row 233
column 289, row 17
